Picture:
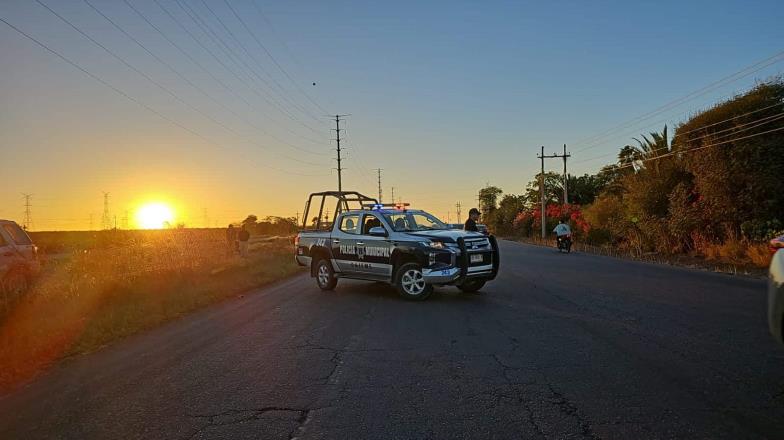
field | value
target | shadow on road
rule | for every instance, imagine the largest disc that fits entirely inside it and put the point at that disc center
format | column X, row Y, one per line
column 379, row 289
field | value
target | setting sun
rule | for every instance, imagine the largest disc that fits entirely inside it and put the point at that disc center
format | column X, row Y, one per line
column 154, row 216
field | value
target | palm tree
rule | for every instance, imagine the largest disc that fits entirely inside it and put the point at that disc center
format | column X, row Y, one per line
column 656, row 146
column 646, row 149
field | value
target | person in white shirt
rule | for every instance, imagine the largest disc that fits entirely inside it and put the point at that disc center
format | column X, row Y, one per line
column 562, row 229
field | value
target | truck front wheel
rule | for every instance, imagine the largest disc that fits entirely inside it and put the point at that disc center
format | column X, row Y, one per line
column 325, row 275
column 411, row 283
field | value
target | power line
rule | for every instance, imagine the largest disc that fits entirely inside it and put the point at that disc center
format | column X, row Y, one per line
column 732, row 118
column 693, row 95
column 129, row 97
column 283, row 95
column 214, row 38
column 205, row 27
column 151, row 80
column 362, row 167
column 244, row 49
column 275, row 61
column 736, row 129
column 689, row 150
column 286, row 48
column 198, row 64
column 640, row 128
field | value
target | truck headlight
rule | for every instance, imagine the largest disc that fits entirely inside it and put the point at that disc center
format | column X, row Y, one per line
column 435, row 244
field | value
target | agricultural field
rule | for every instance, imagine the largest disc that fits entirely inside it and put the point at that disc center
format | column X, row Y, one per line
column 97, row 287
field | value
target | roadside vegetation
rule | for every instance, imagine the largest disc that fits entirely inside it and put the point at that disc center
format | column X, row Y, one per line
column 97, row 287
column 714, row 190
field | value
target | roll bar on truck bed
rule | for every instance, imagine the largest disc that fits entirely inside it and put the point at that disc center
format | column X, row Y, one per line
column 344, row 201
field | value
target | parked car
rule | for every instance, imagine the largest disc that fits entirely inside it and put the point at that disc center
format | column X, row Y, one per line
column 18, row 258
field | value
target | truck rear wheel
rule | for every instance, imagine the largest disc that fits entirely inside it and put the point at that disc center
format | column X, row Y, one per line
column 325, row 275
column 411, row 283
column 472, row 286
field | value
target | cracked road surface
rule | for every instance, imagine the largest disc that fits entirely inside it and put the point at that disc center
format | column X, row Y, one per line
column 558, row 347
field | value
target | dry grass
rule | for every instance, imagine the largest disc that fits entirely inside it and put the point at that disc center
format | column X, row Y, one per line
column 737, row 253
column 759, row 255
column 93, row 297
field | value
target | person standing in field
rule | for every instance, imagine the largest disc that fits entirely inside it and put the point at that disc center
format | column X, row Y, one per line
column 243, row 237
column 231, row 239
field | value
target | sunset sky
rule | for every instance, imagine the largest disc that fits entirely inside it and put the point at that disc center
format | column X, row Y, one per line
column 445, row 97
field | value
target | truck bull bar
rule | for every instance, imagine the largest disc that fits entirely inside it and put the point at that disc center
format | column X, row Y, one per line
column 496, row 256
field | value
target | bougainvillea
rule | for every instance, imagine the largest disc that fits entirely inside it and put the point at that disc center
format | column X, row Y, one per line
column 528, row 221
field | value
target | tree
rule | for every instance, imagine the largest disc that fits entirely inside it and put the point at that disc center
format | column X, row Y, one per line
column 508, row 209
column 553, row 190
column 488, row 199
column 250, row 221
column 736, row 182
column 628, row 154
column 656, row 146
column 584, row 189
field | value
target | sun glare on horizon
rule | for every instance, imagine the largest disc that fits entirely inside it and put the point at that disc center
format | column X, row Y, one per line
column 154, row 216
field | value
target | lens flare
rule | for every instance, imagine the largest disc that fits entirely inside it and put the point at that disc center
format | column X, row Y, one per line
column 154, row 216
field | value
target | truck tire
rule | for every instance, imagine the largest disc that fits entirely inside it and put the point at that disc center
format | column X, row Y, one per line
column 325, row 275
column 411, row 283
column 472, row 286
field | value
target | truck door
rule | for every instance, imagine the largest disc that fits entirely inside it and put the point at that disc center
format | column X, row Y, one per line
column 344, row 242
column 374, row 253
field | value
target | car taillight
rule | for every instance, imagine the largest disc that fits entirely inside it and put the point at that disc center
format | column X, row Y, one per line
column 296, row 240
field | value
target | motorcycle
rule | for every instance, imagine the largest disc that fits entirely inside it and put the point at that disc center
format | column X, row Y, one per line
column 564, row 243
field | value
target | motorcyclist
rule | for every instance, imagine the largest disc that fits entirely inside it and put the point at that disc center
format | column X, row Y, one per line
column 562, row 231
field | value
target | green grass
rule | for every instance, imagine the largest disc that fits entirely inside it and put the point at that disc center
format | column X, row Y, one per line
column 93, row 298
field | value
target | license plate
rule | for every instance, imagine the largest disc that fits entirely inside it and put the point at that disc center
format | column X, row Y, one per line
column 476, row 258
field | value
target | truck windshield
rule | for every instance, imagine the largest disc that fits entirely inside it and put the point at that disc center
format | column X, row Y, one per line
column 414, row 221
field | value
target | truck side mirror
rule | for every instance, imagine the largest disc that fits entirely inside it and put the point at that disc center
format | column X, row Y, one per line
column 378, row 231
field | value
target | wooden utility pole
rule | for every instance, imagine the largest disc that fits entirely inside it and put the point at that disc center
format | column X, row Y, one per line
column 566, row 177
column 542, row 157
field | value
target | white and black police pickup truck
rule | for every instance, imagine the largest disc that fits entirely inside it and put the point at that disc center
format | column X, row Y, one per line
column 410, row 249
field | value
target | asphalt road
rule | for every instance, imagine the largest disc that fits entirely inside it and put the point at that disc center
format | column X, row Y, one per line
column 559, row 346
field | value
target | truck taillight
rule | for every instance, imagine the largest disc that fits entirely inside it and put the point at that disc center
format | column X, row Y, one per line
column 296, row 240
